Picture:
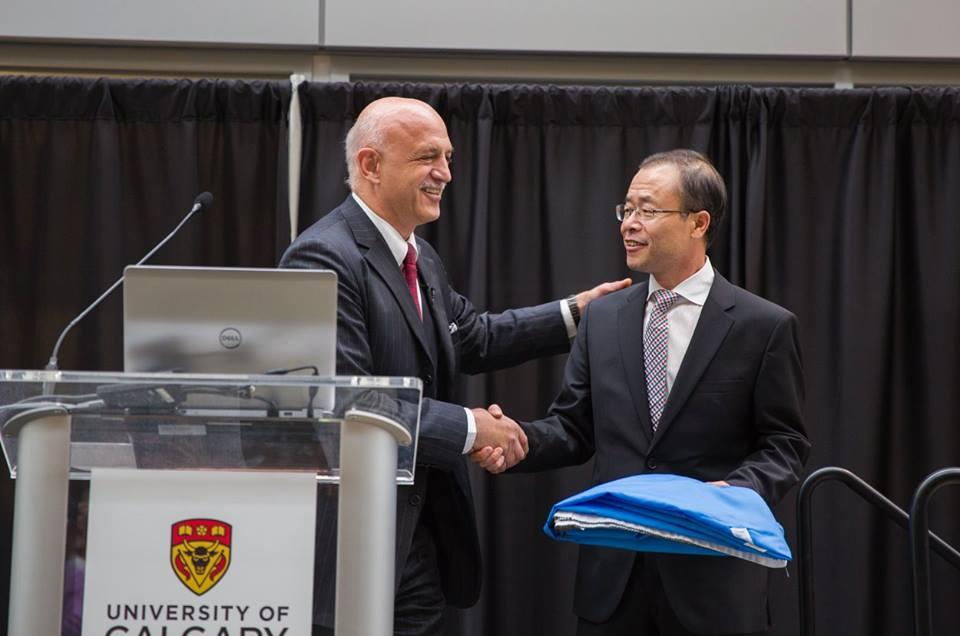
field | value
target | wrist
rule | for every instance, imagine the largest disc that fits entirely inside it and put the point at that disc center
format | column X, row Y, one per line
column 574, row 308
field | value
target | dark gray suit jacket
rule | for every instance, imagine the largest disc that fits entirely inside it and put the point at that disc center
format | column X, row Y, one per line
column 379, row 333
column 734, row 414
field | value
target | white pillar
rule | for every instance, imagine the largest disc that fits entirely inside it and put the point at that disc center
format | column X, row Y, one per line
column 40, row 526
column 366, row 532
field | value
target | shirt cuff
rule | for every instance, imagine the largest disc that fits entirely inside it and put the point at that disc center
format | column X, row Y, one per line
column 471, row 431
column 568, row 319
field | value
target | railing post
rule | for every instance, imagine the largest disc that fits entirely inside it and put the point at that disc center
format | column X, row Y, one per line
column 920, row 543
column 805, row 535
column 805, row 544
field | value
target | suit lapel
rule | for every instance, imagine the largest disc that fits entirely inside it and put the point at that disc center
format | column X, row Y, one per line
column 381, row 260
column 712, row 328
column 429, row 273
column 630, row 328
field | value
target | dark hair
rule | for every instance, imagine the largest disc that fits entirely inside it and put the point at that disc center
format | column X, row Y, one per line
column 701, row 186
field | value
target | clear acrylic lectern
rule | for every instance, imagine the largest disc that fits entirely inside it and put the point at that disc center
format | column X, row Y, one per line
column 358, row 432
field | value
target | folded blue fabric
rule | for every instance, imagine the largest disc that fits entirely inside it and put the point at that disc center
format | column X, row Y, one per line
column 670, row 513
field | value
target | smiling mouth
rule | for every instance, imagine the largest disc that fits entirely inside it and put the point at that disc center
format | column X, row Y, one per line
column 633, row 244
column 434, row 191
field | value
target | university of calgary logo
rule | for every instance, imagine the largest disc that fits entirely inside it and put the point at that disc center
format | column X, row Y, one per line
column 200, row 552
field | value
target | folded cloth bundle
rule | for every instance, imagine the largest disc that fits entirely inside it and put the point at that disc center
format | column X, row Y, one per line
column 670, row 513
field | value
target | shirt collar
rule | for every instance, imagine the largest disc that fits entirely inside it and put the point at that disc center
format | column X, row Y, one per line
column 694, row 289
column 393, row 239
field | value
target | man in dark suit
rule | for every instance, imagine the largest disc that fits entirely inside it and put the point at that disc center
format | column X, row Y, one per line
column 398, row 316
column 685, row 374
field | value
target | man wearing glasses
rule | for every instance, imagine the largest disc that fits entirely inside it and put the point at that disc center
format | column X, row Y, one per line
column 684, row 374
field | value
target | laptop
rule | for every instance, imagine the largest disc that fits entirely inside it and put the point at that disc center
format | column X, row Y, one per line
column 233, row 321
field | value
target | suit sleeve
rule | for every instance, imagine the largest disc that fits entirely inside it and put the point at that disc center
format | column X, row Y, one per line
column 782, row 445
column 443, row 426
column 488, row 342
column 565, row 436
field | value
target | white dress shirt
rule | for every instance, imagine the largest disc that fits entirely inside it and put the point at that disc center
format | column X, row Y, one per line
column 683, row 315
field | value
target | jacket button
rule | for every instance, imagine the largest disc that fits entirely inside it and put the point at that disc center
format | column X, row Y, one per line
column 415, row 500
column 651, row 463
column 428, row 378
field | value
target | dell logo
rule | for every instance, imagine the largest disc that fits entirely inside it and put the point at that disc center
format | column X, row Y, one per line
column 230, row 338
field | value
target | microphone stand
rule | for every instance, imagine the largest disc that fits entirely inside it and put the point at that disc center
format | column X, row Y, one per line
column 204, row 199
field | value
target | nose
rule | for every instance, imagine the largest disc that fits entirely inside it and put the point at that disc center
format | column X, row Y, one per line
column 441, row 170
column 630, row 222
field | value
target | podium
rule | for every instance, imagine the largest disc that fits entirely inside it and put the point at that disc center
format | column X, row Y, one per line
column 357, row 432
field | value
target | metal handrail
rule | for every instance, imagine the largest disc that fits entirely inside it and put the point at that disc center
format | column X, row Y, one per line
column 920, row 554
column 805, row 531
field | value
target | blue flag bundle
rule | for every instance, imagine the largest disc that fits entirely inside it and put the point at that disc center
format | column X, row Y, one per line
column 670, row 513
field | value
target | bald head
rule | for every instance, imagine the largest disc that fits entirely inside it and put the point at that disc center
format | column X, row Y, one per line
column 380, row 123
column 398, row 157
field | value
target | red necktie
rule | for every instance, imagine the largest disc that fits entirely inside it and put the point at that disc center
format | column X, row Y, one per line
column 409, row 269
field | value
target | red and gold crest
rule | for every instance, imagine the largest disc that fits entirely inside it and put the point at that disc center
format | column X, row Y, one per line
column 200, row 552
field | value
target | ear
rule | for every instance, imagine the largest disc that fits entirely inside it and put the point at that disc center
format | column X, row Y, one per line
column 701, row 223
column 368, row 164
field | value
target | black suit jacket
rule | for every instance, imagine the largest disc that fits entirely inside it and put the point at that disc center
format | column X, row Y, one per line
column 379, row 333
column 733, row 413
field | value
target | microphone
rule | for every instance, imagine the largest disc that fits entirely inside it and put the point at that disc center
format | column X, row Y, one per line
column 203, row 200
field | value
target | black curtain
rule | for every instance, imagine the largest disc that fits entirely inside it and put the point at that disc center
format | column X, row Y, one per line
column 93, row 173
column 844, row 208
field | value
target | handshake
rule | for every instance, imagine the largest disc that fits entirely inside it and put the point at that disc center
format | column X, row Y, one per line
column 500, row 442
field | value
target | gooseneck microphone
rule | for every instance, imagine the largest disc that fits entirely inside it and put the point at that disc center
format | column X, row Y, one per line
column 203, row 200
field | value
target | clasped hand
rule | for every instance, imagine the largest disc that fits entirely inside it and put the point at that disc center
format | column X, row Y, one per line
column 500, row 442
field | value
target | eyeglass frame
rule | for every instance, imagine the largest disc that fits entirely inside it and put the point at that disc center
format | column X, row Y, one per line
column 621, row 209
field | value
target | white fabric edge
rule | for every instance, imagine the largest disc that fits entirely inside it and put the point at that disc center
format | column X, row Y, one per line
column 567, row 521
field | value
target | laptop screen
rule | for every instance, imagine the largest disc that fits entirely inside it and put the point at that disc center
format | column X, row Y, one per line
column 225, row 320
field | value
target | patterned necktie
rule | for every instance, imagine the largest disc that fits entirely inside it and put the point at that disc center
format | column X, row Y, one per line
column 409, row 269
column 655, row 352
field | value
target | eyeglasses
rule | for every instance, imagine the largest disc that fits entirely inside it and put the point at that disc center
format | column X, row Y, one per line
column 644, row 214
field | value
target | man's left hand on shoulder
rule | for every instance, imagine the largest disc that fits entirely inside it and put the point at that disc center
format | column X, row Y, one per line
column 585, row 297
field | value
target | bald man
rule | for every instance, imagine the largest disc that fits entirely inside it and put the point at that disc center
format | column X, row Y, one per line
column 398, row 316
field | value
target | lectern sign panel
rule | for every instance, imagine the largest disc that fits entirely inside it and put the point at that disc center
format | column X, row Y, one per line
column 173, row 552
column 200, row 552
